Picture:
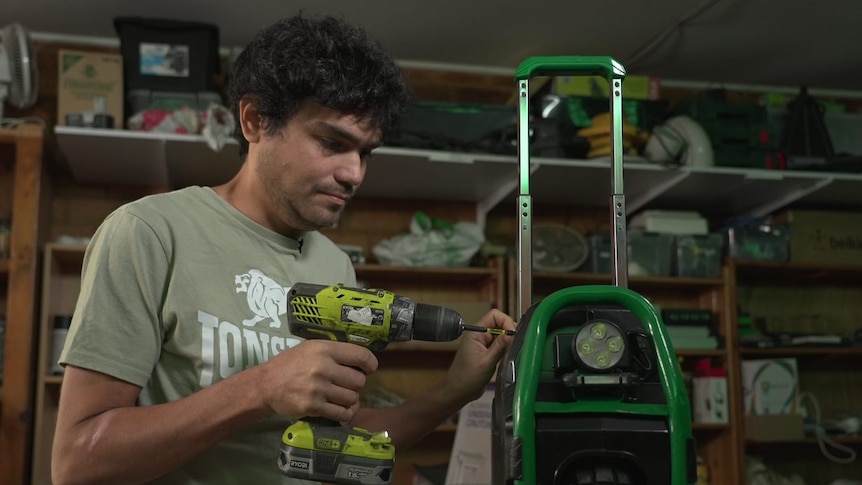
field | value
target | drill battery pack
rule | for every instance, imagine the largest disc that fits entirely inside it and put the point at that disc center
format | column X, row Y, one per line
column 326, row 451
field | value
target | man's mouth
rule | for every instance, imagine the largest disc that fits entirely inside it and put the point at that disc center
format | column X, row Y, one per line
column 340, row 198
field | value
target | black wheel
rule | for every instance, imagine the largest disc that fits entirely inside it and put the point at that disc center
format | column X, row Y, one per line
column 602, row 476
column 599, row 475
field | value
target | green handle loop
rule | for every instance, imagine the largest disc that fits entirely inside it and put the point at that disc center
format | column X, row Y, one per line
column 604, row 66
column 529, row 365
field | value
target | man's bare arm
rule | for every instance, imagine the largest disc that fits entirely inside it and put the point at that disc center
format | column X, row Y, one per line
column 101, row 434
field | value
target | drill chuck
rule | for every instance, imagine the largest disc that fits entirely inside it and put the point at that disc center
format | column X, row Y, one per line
column 433, row 323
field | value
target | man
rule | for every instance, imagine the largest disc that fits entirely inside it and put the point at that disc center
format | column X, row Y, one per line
column 180, row 368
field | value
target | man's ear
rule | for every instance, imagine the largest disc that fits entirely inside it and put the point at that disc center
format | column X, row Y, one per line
column 249, row 119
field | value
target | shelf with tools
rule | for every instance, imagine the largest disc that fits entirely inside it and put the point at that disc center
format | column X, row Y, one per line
column 122, row 157
column 801, row 300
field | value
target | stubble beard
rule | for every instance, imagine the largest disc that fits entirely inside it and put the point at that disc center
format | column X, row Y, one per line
column 301, row 215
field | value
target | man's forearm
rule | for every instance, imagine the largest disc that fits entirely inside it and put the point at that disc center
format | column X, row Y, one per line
column 132, row 444
column 410, row 421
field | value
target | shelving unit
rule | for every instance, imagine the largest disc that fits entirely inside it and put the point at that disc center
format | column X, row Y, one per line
column 18, row 275
column 774, row 292
column 405, row 368
column 487, row 180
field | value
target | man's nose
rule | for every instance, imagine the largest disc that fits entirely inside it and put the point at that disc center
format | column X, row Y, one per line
column 351, row 169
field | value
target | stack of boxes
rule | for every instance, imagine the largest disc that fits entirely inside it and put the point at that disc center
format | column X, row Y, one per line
column 168, row 64
column 740, row 133
column 163, row 64
column 770, row 391
column 662, row 243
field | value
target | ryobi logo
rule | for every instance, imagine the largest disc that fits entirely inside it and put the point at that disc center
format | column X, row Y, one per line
column 328, row 443
column 302, row 465
column 358, row 473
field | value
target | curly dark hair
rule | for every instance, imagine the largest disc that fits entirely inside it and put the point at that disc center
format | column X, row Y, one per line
column 319, row 58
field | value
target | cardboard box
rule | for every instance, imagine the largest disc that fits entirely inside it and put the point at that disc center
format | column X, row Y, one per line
column 470, row 462
column 634, row 87
column 824, row 237
column 770, row 386
column 710, row 400
column 778, row 427
column 87, row 80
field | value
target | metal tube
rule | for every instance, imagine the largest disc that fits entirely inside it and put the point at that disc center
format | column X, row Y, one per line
column 619, row 243
column 525, row 204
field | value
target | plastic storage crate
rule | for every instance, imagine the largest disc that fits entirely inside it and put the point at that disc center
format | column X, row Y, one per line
column 649, row 254
column 144, row 99
column 698, row 256
column 760, row 243
column 168, row 55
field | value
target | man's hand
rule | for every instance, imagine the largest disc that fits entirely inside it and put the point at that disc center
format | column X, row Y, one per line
column 317, row 378
column 477, row 357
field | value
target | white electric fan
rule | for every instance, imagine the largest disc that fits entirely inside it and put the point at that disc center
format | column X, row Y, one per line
column 557, row 248
column 19, row 78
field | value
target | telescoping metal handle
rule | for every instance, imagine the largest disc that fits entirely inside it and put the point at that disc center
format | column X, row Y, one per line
column 614, row 73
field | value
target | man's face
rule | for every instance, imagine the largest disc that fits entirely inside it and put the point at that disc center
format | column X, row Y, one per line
column 312, row 167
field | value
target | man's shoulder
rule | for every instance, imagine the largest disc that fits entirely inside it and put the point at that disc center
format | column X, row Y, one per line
column 185, row 195
column 167, row 204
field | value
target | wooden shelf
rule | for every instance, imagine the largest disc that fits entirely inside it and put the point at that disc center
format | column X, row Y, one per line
column 718, row 427
column 425, row 274
column 53, row 379
column 796, row 274
column 842, row 440
column 635, row 282
column 700, row 352
column 802, row 351
column 69, row 258
column 4, row 266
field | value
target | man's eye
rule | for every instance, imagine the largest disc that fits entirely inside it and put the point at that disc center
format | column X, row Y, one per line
column 366, row 156
column 330, row 145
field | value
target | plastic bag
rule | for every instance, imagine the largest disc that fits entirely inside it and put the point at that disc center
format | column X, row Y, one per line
column 216, row 124
column 431, row 242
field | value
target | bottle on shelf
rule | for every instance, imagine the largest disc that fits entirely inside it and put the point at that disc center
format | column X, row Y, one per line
column 61, row 329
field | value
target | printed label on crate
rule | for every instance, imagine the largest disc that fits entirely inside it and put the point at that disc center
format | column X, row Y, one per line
column 164, row 60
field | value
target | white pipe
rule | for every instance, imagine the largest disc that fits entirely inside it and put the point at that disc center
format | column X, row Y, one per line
column 75, row 39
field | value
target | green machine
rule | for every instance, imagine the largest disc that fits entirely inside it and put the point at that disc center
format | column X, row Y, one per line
column 590, row 392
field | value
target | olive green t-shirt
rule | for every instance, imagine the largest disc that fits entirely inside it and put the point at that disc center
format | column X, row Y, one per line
column 181, row 290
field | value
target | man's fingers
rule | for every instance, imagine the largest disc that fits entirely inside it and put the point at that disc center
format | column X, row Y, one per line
column 355, row 356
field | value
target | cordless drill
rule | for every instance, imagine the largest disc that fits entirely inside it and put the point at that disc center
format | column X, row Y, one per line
column 325, row 450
